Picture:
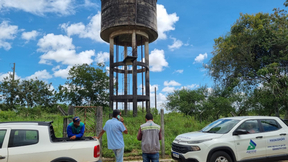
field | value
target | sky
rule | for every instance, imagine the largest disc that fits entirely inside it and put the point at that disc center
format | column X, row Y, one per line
column 45, row 38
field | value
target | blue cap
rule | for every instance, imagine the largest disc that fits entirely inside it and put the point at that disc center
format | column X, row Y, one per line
column 76, row 119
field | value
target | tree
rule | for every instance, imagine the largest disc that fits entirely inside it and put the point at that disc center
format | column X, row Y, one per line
column 276, row 85
column 9, row 92
column 186, row 101
column 261, row 101
column 36, row 92
column 86, row 85
column 254, row 43
column 27, row 93
column 218, row 102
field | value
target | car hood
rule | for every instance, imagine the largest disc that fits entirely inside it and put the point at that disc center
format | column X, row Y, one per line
column 195, row 136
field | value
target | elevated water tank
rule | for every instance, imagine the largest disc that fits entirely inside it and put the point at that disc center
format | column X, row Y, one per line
column 128, row 15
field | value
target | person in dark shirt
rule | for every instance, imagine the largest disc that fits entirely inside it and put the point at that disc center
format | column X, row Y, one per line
column 75, row 129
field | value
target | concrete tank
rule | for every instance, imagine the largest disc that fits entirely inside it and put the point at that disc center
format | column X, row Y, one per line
column 128, row 15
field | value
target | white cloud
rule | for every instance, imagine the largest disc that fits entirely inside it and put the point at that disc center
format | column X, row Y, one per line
column 51, row 88
column 88, row 3
column 7, row 32
column 59, row 48
column 56, row 68
column 210, row 90
column 40, row 75
column 40, row 7
column 107, row 68
column 161, row 100
column 63, row 73
column 193, row 86
column 200, row 58
column 157, row 60
column 152, row 88
column 176, row 44
column 178, row 71
column 190, row 86
column 165, row 21
column 30, row 35
column 91, row 30
column 54, row 42
column 168, row 89
column 171, row 83
column 2, row 76
column 102, row 57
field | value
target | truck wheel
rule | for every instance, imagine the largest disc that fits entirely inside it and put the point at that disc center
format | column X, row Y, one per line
column 220, row 156
column 64, row 159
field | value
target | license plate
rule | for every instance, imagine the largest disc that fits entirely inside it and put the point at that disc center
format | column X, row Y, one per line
column 176, row 155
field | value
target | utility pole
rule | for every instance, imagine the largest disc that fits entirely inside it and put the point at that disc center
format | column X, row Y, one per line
column 155, row 99
column 13, row 71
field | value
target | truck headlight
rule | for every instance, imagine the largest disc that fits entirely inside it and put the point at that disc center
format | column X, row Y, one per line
column 195, row 148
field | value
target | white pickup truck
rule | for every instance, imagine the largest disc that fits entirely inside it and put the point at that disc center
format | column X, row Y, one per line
column 36, row 142
column 234, row 139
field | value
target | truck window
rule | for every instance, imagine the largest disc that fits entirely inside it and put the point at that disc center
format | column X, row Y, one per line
column 2, row 135
column 23, row 138
column 251, row 126
column 270, row 125
column 220, row 126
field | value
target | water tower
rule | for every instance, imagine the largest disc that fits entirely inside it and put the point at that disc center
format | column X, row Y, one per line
column 129, row 26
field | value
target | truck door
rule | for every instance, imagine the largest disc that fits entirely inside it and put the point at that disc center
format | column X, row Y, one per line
column 276, row 137
column 23, row 145
column 3, row 145
column 251, row 145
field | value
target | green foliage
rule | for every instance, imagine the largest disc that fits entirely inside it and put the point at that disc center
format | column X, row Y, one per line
column 9, row 91
column 254, row 42
column 218, row 102
column 26, row 93
column 254, row 52
column 31, row 112
column 185, row 100
column 8, row 115
column 208, row 103
column 86, row 85
column 35, row 93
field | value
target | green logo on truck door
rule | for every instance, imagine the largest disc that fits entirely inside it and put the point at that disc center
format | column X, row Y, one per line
column 252, row 145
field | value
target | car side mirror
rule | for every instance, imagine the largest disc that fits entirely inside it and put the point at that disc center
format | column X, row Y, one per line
column 240, row 131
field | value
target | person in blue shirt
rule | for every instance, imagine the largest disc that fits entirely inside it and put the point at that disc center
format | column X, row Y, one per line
column 75, row 129
column 114, row 128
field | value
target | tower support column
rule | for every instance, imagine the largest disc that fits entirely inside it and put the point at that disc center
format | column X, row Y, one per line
column 134, row 73
column 111, row 89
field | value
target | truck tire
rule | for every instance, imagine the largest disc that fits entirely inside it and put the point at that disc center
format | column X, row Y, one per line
column 64, row 159
column 220, row 156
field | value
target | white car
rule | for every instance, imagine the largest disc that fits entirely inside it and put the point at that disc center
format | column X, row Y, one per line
column 36, row 142
column 234, row 139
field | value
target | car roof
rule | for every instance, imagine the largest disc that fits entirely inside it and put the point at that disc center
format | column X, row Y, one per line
column 41, row 123
column 250, row 117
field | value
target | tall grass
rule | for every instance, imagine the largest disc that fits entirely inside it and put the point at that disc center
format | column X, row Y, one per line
column 175, row 124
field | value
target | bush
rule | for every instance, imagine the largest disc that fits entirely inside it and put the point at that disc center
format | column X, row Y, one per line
column 7, row 115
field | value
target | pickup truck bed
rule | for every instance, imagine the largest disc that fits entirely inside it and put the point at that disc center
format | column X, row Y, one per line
column 36, row 142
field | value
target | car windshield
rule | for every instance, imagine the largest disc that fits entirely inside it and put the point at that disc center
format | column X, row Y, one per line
column 220, row 126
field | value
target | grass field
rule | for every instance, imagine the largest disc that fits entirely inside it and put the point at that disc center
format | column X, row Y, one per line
column 175, row 124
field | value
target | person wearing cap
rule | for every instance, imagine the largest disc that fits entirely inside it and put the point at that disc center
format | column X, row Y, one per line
column 75, row 129
column 114, row 128
column 149, row 134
